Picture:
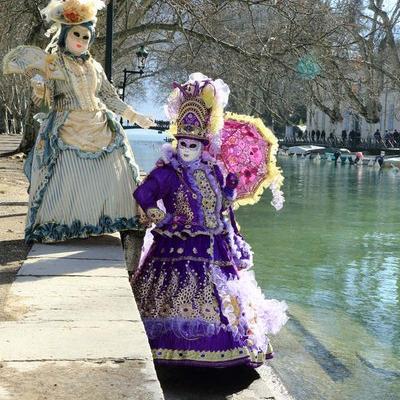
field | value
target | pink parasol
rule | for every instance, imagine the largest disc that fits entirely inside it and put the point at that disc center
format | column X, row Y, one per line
column 248, row 149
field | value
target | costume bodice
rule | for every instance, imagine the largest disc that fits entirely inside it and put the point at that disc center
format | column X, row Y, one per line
column 80, row 91
column 85, row 88
column 193, row 197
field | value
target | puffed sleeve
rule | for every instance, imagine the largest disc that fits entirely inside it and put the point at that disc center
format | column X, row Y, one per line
column 155, row 187
column 109, row 95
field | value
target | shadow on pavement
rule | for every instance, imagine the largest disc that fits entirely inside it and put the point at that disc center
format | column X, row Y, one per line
column 179, row 383
column 13, row 215
column 13, row 250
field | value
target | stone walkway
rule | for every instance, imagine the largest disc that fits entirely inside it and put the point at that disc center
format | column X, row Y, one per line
column 74, row 330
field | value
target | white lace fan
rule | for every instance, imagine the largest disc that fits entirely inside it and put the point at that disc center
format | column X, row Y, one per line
column 25, row 58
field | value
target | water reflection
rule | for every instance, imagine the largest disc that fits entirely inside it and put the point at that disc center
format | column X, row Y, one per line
column 333, row 253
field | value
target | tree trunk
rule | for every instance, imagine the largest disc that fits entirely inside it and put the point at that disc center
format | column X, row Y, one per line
column 29, row 131
column 2, row 120
column 6, row 121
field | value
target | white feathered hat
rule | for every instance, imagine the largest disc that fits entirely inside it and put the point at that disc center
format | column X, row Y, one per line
column 72, row 12
column 69, row 12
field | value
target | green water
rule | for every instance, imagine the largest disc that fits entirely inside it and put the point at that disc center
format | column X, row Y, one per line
column 333, row 254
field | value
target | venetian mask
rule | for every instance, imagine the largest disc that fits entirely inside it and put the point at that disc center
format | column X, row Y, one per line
column 77, row 40
column 189, row 150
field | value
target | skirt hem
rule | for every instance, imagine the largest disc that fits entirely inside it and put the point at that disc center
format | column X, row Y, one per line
column 53, row 232
column 214, row 364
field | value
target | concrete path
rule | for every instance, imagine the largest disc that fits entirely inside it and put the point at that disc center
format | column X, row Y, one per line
column 74, row 331
column 70, row 330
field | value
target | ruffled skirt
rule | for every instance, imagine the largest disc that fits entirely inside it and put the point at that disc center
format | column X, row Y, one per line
column 199, row 310
column 78, row 190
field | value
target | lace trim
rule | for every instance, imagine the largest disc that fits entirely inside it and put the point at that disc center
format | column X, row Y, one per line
column 184, row 233
column 189, row 329
column 53, row 232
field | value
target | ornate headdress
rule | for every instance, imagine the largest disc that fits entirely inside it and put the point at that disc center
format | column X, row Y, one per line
column 196, row 108
column 69, row 12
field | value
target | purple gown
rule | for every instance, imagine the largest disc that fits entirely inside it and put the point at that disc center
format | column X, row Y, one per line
column 198, row 300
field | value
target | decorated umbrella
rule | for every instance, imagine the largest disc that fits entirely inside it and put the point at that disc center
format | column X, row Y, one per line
column 248, row 149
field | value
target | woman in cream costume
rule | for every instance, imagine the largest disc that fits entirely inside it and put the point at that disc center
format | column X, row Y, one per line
column 82, row 170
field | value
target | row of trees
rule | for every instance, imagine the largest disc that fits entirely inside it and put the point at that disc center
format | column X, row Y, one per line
column 277, row 55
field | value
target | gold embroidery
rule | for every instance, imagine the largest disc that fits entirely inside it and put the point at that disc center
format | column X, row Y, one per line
column 215, row 356
column 155, row 215
column 182, row 205
column 177, row 294
column 209, row 199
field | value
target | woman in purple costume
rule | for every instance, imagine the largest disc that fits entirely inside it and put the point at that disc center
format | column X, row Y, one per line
column 199, row 301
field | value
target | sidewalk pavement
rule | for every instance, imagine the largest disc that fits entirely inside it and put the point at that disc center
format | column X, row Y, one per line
column 74, row 330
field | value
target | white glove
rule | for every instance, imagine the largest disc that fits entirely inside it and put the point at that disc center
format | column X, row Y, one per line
column 143, row 121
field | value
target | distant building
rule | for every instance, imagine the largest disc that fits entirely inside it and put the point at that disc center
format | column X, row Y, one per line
column 389, row 118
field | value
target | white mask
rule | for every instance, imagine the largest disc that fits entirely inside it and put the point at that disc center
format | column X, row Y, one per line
column 77, row 40
column 189, row 150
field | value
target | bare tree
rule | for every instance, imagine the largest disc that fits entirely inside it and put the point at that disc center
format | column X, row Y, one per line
column 257, row 47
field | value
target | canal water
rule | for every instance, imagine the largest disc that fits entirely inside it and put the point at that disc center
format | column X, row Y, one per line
column 146, row 145
column 333, row 253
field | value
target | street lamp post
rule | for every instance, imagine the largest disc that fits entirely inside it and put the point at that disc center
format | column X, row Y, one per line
column 109, row 40
column 141, row 55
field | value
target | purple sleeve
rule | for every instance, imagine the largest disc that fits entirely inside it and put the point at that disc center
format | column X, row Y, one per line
column 228, row 193
column 155, row 187
column 219, row 175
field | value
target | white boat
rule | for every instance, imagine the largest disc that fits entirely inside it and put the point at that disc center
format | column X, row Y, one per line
column 391, row 162
column 305, row 150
